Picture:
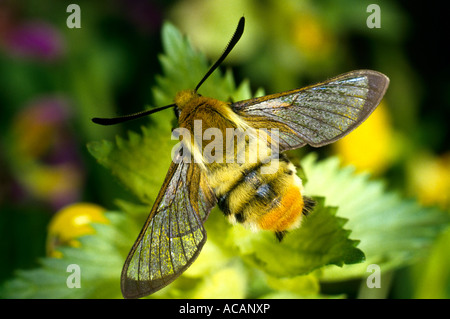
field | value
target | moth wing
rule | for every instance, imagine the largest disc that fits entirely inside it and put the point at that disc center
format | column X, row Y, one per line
column 319, row 114
column 173, row 234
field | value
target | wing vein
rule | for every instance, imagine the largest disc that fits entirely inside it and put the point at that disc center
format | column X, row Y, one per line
column 331, row 112
column 333, row 103
column 139, row 262
column 295, row 132
column 150, row 250
column 181, row 241
column 318, row 120
column 169, row 241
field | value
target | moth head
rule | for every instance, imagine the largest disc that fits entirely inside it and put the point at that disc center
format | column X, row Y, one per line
column 184, row 98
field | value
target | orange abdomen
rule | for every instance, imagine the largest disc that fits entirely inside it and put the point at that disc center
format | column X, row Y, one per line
column 271, row 202
column 286, row 215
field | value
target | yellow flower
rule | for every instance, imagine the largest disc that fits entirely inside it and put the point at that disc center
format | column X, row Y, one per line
column 70, row 223
column 227, row 282
column 429, row 179
column 311, row 38
column 42, row 153
column 370, row 147
column 58, row 183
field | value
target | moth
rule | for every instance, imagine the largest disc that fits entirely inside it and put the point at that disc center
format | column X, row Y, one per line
column 256, row 187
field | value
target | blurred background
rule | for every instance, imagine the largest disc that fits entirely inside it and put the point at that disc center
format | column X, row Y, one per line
column 54, row 79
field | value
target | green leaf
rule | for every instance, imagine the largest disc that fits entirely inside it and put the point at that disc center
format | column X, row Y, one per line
column 354, row 215
column 183, row 68
column 299, row 287
column 100, row 259
column 393, row 231
column 321, row 240
column 141, row 161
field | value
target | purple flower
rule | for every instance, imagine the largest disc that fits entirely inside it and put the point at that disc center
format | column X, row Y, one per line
column 36, row 40
column 45, row 159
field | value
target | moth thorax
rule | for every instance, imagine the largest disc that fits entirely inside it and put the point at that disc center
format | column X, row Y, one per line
column 184, row 97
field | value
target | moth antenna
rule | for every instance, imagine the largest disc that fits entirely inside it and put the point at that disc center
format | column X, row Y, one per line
column 116, row 120
column 126, row 118
column 236, row 36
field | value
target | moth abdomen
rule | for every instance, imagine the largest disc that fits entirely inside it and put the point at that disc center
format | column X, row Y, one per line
column 261, row 200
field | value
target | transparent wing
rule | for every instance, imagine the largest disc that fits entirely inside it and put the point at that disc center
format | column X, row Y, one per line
column 319, row 114
column 173, row 234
